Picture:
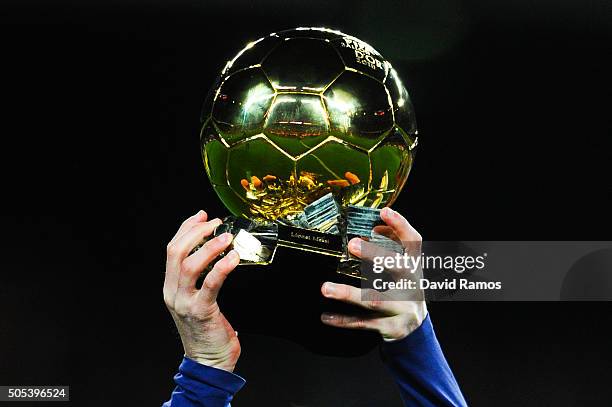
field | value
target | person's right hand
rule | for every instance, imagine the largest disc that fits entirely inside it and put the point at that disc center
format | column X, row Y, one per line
column 207, row 336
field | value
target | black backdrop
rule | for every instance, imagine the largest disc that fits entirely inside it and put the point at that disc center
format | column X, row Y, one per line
column 100, row 163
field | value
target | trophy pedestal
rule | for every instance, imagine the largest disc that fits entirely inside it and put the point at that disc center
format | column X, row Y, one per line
column 283, row 299
column 289, row 260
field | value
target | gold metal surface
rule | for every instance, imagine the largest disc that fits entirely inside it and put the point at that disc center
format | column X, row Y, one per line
column 302, row 113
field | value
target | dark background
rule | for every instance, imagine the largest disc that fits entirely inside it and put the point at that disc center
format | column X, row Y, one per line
column 100, row 163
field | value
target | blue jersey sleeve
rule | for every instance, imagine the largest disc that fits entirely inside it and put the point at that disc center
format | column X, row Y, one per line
column 198, row 385
column 420, row 369
column 416, row 363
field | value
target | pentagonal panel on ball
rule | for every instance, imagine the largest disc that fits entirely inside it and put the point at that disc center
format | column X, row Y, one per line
column 391, row 161
column 402, row 106
column 236, row 205
column 360, row 56
column 214, row 153
column 207, row 106
column 260, row 174
column 359, row 109
column 297, row 122
column 241, row 104
column 302, row 64
column 336, row 167
column 252, row 54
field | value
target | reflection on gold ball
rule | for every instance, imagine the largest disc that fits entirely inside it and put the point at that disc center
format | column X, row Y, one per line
column 301, row 113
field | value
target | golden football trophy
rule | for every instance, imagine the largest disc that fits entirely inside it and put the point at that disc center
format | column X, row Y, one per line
column 305, row 134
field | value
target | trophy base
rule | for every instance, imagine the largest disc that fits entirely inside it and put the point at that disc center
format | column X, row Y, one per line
column 257, row 243
column 284, row 299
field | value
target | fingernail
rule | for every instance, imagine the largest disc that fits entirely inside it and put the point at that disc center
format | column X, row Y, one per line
column 329, row 289
column 354, row 245
column 388, row 211
column 233, row 256
column 226, row 237
column 325, row 317
column 217, row 221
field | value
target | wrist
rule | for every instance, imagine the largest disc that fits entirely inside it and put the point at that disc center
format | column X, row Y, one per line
column 223, row 365
column 220, row 382
column 411, row 323
column 224, row 360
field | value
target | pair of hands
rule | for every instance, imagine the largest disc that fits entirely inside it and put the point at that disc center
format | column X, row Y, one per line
column 207, row 336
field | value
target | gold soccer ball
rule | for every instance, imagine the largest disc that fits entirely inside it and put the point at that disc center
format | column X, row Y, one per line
column 301, row 113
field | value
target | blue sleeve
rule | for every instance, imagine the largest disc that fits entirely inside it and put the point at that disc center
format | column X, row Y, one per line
column 420, row 369
column 198, row 385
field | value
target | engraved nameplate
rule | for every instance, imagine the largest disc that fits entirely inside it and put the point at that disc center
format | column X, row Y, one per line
column 310, row 240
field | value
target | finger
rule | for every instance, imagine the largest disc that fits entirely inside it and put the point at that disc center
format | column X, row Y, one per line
column 178, row 250
column 390, row 328
column 188, row 223
column 214, row 280
column 386, row 231
column 183, row 245
column 366, row 250
column 400, row 225
column 354, row 246
column 195, row 264
column 366, row 298
column 351, row 321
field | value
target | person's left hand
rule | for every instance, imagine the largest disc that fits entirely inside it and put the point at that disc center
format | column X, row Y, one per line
column 394, row 319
